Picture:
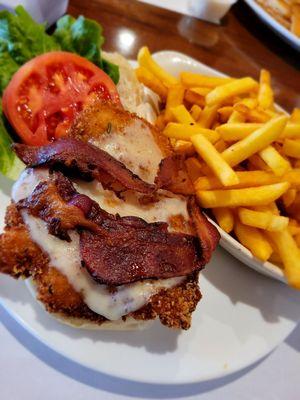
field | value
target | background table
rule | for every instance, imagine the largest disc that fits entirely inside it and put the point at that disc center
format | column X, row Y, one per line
column 241, row 45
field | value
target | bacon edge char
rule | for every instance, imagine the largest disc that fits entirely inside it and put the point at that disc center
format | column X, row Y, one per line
column 83, row 159
column 120, row 250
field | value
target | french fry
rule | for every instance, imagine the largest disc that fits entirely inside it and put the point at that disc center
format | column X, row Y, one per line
column 262, row 220
column 184, row 147
column 297, row 240
column 194, row 98
column 195, row 111
column 252, row 115
column 295, row 26
column 220, row 145
column 194, row 168
column 225, row 113
column 295, row 116
column 224, row 218
column 185, row 132
column 255, row 142
column 291, row 148
column 238, row 131
column 290, row 255
column 257, row 163
column 294, row 230
column 275, row 161
column 234, row 88
column 248, row 197
column 202, row 91
column 214, row 160
column 253, row 240
column 289, row 197
column 250, row 179
column 182, row 115
column 174, row 99
column 236, row 117
column 275, row 259
column 192, row 80
column 265, row 93
column 145, row 60
column 152, row 82
column 270, row 208
column 207, row 116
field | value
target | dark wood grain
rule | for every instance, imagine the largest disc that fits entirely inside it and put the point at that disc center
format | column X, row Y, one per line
column 240, row 46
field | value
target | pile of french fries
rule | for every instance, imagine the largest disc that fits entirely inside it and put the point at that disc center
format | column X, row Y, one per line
column 241, row 153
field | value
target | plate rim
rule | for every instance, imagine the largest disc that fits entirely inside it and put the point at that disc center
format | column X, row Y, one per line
column 276, row 26
column 239, row 367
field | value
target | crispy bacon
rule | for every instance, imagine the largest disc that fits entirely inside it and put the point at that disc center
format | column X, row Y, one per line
column 48, row 202
column 208, row 235
column 83, row 159
column 172, row 176
column 115, row 250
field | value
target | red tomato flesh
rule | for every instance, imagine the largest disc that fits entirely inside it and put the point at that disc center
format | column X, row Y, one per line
column 45, row 95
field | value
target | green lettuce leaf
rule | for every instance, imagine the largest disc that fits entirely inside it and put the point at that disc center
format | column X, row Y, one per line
column 84, row 37
column 25, row 38
column 21, row 39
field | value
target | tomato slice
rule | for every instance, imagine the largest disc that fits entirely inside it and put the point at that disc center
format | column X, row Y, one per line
column 45, row 95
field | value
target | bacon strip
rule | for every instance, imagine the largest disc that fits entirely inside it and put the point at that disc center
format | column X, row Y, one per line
column 83, row 159
column 114, row 250
column 208, row 235
column 173, row 176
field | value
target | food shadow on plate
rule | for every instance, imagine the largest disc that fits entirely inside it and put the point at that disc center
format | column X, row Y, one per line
column 106, row 382
column 273, row 299
column 156, row 339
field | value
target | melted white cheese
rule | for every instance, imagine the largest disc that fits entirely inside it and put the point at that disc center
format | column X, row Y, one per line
column 65, row 257
column 135, row 147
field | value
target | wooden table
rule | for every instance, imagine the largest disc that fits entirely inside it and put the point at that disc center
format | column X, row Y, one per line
column 241, row 46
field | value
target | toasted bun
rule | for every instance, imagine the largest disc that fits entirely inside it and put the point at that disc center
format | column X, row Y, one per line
column 129, row 325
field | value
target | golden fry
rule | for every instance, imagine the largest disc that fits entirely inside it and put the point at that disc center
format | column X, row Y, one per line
column 255, row 142
column 295, row 116
column 195, row 111
column 182, row 115
column 191, row 79
column 248, row 197
column 202, row 91
column 262, row 220
column 174, row 99
column 291, row 148
column 145, row 60
column 236, row 117
column 207, row 116
column 246, row 179
column 289, row 197
column 275, row 161
column 214, row 160
column 228, row 90
column 194, row 98
column 152, row 82
column 265, row 93
column 238, row 131
column 290, row 255
column 184, row 147
column 185, row 132
column 224, row 218
column 225, row 113
column 254, row 240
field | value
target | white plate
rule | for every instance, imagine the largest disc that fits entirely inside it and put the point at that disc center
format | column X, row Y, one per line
column 281, row 30
column 241, row 318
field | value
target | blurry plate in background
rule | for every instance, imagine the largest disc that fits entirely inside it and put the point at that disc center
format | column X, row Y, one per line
column 282, row 31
